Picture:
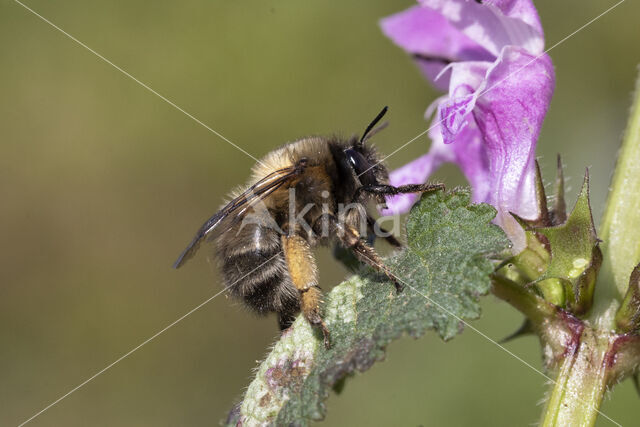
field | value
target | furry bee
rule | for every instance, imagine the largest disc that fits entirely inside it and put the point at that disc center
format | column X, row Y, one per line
column 270, row 263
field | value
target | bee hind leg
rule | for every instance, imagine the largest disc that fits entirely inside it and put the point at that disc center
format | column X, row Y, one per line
column 304, row 275
column 286, row 319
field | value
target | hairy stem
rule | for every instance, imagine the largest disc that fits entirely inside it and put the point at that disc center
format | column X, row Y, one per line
column 620, row 228
column 580, row 384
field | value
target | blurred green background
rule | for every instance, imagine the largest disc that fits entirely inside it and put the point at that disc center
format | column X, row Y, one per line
column 102, row 184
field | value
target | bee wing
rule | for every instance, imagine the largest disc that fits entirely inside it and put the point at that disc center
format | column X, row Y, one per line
column 238, row 206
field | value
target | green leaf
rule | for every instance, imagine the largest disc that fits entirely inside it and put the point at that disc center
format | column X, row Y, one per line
column 445, row 269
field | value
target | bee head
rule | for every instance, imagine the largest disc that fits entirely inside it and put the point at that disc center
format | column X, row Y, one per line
column 364, row 159
column 361, row 165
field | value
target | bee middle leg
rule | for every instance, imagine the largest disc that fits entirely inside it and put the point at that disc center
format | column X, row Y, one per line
column 304, row 274
column 390, row 238
column 351, row 239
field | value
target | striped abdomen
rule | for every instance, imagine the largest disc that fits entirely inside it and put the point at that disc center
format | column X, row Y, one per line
column 255, row 268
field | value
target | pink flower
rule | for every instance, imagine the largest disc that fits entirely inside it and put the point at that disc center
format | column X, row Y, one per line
column 490, row 57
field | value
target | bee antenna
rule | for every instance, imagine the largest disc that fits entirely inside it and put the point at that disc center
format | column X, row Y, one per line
column 372, row 124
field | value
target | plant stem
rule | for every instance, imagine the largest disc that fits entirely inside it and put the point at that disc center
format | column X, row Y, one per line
column 580, row 384
column 533, row 307
column 620, row 228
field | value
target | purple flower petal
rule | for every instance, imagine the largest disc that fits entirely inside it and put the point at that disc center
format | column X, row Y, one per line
column 417, row 172
column 523, row 10
column 509, row 115
column 414, row 172
column 467, row 80
column 467, row 151
column 498, row 94
column 488, row 26
column 434, row 42
column 471, row 156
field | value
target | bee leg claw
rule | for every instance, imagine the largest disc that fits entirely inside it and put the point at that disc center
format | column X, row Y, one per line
column 396, row 282
column 399, row 287
column 326, row 335
column 327, row 342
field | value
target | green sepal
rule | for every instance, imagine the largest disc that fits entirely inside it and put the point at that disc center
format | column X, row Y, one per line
column 582, row 298
column 554, row 290
column 534, row 259
column 541, row 200
column 628, row 316
column 547, row 217
column 558, row 213
column 531, row 264
column 575, row 256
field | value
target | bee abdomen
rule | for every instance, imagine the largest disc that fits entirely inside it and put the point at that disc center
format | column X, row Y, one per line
column 258, row 274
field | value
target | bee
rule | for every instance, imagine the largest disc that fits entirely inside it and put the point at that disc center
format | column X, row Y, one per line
column 269, row 263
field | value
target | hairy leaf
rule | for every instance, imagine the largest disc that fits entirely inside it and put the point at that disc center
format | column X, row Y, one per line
column 445, row 268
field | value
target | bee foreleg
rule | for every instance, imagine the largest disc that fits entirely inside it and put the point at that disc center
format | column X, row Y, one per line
column 304, row 275
column 390, row 190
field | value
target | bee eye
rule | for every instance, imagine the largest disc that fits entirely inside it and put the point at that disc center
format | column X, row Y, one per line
column 356, row 159
column 361, row 166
